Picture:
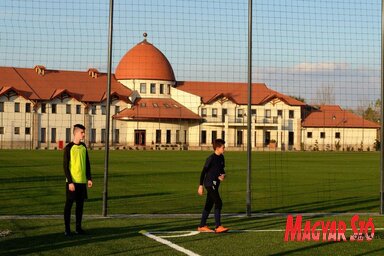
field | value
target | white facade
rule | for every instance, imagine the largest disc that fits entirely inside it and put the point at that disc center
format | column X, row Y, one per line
column 30, row 125
column 340, row 139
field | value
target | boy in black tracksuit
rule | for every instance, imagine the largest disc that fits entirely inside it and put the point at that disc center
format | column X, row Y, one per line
column 211, row 175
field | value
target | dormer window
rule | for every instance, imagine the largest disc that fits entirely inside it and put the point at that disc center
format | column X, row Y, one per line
column 94, row 73
column 143, row 105
column 155, row 105
column 40, row 70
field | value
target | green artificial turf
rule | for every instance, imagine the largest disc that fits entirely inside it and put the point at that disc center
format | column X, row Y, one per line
column 32, row 182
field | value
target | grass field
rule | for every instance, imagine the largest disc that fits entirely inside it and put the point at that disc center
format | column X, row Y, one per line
column 32, row 183
column 122, row 237
column 166, row 182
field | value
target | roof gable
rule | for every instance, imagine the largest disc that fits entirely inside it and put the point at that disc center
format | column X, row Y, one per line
column 154, row 109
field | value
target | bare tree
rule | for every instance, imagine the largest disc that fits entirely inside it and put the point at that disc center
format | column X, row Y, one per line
column 325, row 95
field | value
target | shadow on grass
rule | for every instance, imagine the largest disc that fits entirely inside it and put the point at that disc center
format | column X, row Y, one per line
column 113, row 236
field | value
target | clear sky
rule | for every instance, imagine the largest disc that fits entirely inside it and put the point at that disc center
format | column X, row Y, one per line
column 299, row 46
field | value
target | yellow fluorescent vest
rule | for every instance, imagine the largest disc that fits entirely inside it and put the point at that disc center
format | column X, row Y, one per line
column 77, row 163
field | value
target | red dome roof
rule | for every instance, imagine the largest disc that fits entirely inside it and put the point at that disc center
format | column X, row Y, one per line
column 144, row 61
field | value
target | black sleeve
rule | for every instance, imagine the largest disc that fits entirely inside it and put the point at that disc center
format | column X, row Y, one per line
column 88, row 166
column 205, row 169
column 223, row 171
column 67, row 157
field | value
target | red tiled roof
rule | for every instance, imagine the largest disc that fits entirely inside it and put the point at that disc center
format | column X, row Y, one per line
column 156, row 108
column 6, row 90
column 237, row 92
column 334, row 116
column 144, row 61
column 51, row 84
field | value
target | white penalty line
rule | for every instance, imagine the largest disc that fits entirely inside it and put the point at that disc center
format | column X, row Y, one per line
column 169, row 243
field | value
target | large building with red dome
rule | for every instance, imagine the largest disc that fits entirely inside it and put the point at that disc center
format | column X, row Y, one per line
column 152, row 110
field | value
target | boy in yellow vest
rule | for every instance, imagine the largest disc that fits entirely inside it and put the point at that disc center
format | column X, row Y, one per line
column 77, row 171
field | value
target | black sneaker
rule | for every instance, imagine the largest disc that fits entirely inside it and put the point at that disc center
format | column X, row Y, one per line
column 80, row 231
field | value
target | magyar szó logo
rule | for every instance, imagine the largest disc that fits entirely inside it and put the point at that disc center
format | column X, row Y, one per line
column 329, row 230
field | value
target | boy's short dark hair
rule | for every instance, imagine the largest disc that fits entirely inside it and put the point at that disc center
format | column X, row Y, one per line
column 78, row 126
column 217, row 143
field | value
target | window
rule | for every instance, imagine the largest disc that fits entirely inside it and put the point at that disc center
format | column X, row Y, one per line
column 224, row 113
column 214, row 112
column 117, row 109
column 158, row 136
column 43, row 108
column 54, row 108
column 116, row 138
column 103, row 135
column 291, row 138
column 27, row 107
column 42, row 135
column 239, row 138
column 309, row 135
column 161, row 88
column 203, row 112
column 140, row 136
column 168, row 137
column 213, row 136
column 78, row 109
column 291, row 114
column 1, row 130
column 143, row 88
column 253, row 112
column 27, row 130
column 279, row 112
column 337, row 135
column 17, row 130
column 103, row 110
column 67, row 135
column 267, row 113
column 1, row 106
column 93, row 136
column 155, row 105
column 143, row 104
column 169, row 88
column 17, row 107
column 53, row 135
column 68, row 109
column 153, row 88
column 93, row 109
column 240, row 112
column 177, row 136
column 223, row 135
column 322, row 135
column 203, row 137
column 185, row 137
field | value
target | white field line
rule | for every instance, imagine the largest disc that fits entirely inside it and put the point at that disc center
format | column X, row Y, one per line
column 168, row 243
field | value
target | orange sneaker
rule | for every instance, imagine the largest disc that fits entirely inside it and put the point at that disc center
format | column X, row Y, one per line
column 204, row 229
column 221, row 229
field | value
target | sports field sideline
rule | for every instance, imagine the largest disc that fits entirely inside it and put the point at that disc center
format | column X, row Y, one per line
column 166, row 182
